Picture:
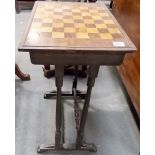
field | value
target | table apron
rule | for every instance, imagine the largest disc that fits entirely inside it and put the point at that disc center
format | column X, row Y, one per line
column 74, row 59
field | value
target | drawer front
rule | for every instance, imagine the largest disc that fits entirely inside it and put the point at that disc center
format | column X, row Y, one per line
column 73, row 59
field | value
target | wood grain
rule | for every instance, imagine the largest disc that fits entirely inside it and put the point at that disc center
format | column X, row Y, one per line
column 128, row 15
column 74, row 26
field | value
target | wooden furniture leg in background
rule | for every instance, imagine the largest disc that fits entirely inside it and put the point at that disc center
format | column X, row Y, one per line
column 17, row 6
column 111, row 4
column 68, row 70
column 20, row 74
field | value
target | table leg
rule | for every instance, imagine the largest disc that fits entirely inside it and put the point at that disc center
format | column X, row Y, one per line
column 93, row 71
column 60, row 144
column 59, row 71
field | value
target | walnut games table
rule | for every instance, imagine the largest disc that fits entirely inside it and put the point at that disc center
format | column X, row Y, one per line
column 73, row 33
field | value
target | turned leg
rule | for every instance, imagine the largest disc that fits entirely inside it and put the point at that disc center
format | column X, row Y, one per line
column 111, row 4
column 20, row 74
column 59, row 71
column 92, row 74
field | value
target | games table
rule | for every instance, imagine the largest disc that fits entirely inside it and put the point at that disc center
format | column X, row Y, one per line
column 72, row 33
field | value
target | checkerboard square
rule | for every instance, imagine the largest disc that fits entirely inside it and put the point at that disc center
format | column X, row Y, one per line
column 68, row 25
column 76, row 10
column 58, row 25
column 58, row 29
column 92, row 30
column 46, row 25
column 105, row 36
column 69, row 30
column 81, row 30
column 82, row 35
column 88, row 21
column 94, row 35
column 67, row 13
column 90, row 25
column 97, row 17
column 69, row 35
column 114, row 30
column 101, row 26
column 78, row 17
column 108, row 22
column 68, row 20
column 57, row 35
column 80, row 25
column 102, row 30
column 46, row 34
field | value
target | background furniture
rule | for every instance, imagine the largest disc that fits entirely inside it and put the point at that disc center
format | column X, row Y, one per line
column 28, row 4
column 20, row 74
column 127, row 12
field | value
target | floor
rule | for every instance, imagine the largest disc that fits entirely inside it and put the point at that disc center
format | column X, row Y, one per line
column 110, row 124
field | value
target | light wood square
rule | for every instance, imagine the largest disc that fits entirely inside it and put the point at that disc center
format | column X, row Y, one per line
column 69, row 30
column 80, row 25
column 48, row 15
column 93, row 11
column 58, row 17
column 105, row 36
column 108, row 22
column 101, row 26
column 83, row 7
column 68, row 20
column 65, row 7
column 57, row 35
column 114, row 30
column 88, row 21
column 76, row 10
column 97, row 17
column 58, row 25
column 67, row 13
column 92, row 30
column 77, row 17
column 82, row 35
column 85, row 14
column 58, row 10
column 81, row 30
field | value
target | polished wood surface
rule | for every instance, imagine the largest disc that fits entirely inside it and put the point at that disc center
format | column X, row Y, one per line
column 74, row 26
column 128, row 15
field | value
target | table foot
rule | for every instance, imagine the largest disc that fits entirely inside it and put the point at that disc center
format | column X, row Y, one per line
column 51, row 94
column 67, row 147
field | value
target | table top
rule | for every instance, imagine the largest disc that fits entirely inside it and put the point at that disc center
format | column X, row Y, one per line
column 74, row 26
